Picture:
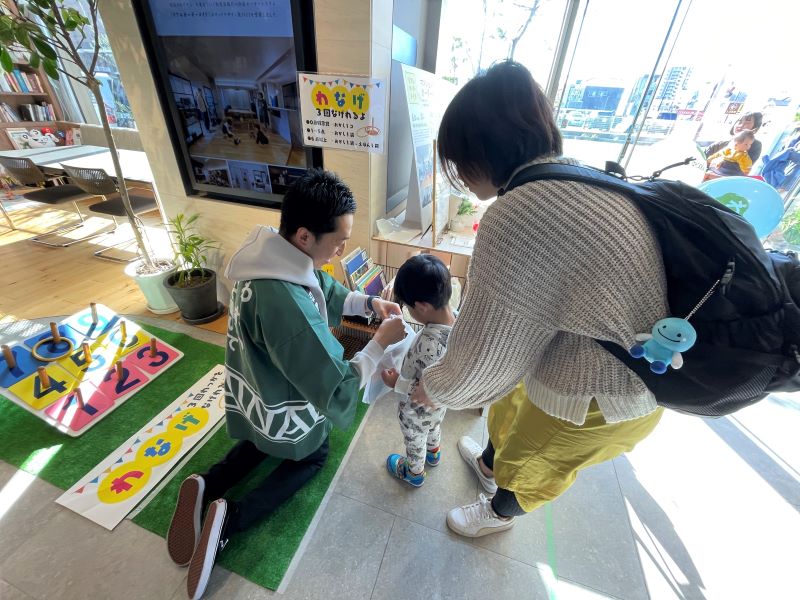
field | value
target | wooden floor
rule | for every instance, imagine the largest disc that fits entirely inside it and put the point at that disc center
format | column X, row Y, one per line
column 38, row 281
column 215, row 145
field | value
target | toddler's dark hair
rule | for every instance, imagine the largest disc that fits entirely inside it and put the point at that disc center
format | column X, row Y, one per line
column 423, row 278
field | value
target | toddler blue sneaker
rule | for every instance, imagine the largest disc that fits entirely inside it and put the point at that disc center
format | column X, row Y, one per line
column 398, row 467
column 432, row 457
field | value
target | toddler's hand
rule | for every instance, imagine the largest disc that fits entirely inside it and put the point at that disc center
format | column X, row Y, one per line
column 390, row 377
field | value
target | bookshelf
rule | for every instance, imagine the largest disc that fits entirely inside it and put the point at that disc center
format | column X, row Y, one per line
column 22, row 94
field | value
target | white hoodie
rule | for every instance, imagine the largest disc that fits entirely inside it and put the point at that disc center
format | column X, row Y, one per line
column 265, row 254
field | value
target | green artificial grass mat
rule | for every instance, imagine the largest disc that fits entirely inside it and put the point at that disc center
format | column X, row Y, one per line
column 261, row 554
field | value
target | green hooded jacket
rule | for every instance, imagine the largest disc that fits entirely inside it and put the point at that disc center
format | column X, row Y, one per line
column 287, row 382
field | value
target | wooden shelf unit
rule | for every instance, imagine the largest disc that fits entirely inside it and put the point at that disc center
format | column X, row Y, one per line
column 15, row 99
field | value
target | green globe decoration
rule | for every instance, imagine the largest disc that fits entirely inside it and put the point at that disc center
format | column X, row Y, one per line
column 735, row 202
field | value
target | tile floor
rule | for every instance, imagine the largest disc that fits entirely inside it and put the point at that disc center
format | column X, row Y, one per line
column 701, row 509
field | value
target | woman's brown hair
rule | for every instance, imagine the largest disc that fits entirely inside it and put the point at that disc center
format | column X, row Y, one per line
column 498, row 121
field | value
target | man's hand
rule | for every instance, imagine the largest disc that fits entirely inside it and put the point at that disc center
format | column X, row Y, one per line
column 384, row 309
column 420, row 398
column 391, row 331
column 390, row 377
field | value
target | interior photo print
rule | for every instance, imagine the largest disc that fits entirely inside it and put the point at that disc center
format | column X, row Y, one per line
column 235, row 95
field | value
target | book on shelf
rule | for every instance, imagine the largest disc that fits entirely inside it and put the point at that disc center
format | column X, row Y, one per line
column 20, row 81
column 8, row 114
column 36, row 112
column 373, row 282
column 361, row 274
column 11, row 81
column 351, row 263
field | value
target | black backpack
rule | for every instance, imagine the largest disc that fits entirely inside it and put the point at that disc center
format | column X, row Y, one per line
column 748, row 328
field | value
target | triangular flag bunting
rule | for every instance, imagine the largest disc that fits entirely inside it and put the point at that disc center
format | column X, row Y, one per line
column 129, row 450
column 108, row 470
column 138, row 441
column 378, row 84
column 119, row 461
column 305, row 78
column 80, row 490
column 150, row 430
column 95, row 480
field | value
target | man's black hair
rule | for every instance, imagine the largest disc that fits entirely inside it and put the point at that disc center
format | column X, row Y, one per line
column 314, row 201
column 423, row 278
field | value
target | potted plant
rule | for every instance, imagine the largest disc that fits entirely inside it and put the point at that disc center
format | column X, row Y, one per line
column 464, row 220
column 193, row 287
column 47, row 29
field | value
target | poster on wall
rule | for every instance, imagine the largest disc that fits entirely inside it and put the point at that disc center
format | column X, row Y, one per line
column 426, row 97
column 344, row 112
column 114, row 487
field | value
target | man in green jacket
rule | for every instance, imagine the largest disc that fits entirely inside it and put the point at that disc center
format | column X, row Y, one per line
column 286, row 382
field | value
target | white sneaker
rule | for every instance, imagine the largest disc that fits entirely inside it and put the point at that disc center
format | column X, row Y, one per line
column 471, row 451
column 477, row 519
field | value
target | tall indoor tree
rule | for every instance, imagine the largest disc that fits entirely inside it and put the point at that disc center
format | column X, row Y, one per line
column 54, row 33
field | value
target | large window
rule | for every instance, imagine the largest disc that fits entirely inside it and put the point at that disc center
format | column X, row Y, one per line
column 648, row 84
column 474, row 34
column 116, row 101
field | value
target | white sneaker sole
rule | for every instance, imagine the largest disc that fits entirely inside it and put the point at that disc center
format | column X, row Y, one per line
column 487, row 483
column 205, row 556
column 480, row 532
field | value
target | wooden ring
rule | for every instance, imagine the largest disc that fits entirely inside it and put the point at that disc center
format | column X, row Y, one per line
column 37, row 356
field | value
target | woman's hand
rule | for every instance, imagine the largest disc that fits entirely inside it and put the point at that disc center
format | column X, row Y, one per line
column 384, row 309
column 390, row 377
column 420, row 398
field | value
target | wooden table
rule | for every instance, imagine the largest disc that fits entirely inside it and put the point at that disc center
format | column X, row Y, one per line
column 135, row 166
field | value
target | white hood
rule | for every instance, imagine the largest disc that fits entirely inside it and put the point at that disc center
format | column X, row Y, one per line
column 267, row 255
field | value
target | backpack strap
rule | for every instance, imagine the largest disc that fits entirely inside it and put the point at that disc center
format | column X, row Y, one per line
column 567, row 172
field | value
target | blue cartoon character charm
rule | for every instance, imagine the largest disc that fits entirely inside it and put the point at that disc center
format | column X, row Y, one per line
column 662, row 348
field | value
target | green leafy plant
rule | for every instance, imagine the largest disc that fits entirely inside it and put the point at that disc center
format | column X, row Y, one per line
column 54, row 34
column 790, row 226
column 466, row 208
column 191, row 250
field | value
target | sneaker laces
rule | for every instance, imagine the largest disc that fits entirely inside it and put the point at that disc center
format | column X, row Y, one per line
column 479, row 511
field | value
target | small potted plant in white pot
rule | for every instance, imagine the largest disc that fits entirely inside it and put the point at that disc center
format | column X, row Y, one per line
column 464, row 220
column 193, row 286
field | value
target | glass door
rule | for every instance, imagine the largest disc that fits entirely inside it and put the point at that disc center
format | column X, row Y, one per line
column 729, row 70
column 609, row 73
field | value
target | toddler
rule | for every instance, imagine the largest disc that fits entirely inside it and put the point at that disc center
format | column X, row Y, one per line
column 734, row 159
column 423, row 285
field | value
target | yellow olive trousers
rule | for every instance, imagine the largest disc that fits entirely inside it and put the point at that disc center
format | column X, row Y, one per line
column 538, row 456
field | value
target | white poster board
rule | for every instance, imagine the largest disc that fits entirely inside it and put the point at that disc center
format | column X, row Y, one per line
column 426, row 97
column 114, row 487
column 343, row 112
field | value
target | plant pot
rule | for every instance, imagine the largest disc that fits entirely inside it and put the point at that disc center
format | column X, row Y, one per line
column 462, row 224
column 198, row 301
column 159, row 301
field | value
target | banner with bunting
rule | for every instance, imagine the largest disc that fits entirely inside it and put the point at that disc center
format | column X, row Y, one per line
column 114, row 487
column 343, row 111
